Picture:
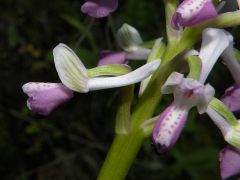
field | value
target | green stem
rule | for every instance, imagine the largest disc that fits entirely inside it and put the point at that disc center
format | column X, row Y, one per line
column 125, row 147
column 170, row 8
column 123, row 117
column 195, row 67
column 121, row 155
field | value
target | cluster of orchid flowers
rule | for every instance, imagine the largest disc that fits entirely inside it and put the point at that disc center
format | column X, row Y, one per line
column 191, row 91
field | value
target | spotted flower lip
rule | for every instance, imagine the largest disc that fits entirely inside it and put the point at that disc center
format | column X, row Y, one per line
column 168, row 127
column 45, row 97
column 192, row 12
column 187, row 94
column 229, row 162
column 99, row 8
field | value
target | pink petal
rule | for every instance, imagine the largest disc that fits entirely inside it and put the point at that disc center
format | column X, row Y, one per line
column 108, row 57
column 229, row 162
column 231, row 98
column 99, row 8
column 45, row 97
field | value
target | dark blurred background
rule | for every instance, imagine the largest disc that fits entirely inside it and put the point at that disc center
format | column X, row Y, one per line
column 72, row 142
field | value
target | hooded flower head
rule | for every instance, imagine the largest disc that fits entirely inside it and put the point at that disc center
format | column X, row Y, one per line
column 73, row 73
column 99, row 8
column 45, row 97
column 187, row 94
column 191, row 12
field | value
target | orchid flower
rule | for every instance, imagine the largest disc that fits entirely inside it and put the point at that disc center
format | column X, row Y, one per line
column 231, row 96
column 99, row 8
column 73, row 74
column 192, row 12
column 188, row 92
column 222, row 117
column 230, row 156
column 129, row 40
column 44, row 97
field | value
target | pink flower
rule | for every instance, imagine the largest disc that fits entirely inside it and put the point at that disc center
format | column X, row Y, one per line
column 191, row 12
column 187, row 94
column 45, row 97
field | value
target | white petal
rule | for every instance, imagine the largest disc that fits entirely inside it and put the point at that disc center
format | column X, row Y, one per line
column 231, row 61
column 173, row 80
column 70, row 69
column 208, row 95
column 139, row 54
column 214, row 42
column 128, row 38
column 130, row 78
